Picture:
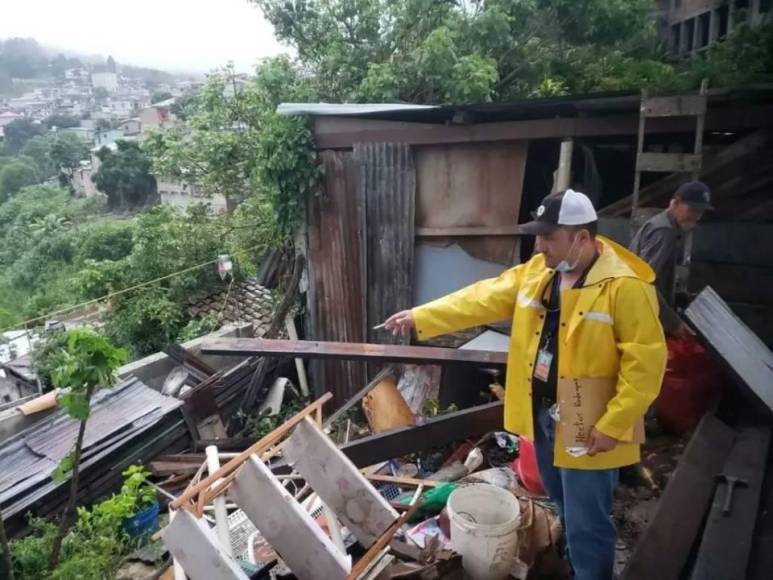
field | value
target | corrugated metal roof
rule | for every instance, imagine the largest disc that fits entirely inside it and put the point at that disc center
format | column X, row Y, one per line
column 335, row 110
column 539, row 108
column 118, row 416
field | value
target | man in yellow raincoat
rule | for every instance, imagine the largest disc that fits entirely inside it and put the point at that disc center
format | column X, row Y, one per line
column 586, row 360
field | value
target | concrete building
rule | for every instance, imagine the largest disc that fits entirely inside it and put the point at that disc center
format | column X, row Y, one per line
column 181, row 196
column 689, row 26
column 157, row 116
column 131, row 127
column 105, row 80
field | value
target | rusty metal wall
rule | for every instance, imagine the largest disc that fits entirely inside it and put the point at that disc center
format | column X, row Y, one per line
column 336, row 277
column 388, row 184
column 475, row 184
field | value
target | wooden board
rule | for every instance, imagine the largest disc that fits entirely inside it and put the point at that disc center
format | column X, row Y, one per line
column 435, row 432
column 339, row 483
column 290, row 530
column 743, row 354
column 195, row 545
column 664, row 546
column 727, row 540
column 350, row 351
column 668, row 162
column 472, row 186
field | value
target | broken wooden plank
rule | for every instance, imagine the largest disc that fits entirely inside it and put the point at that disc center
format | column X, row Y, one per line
column 363, row 563
column 290, row 530
column 664, row 546
column 434, row 432
column 353, row 400
column 741, row 351
column 194, row 545
column 339, row 483
column 727, row 538
column 350, row 351
column 163, row 468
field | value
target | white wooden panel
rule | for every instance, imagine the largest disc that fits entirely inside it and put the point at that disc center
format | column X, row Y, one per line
column 293, row 534
column 194, row 545
column 339, row 483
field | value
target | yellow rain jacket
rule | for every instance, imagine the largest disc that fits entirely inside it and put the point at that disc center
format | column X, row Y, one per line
column 608, row 328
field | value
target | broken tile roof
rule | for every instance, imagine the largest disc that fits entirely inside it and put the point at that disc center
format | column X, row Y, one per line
column 248, row 302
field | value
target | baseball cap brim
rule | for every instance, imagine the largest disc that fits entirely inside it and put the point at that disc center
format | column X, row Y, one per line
column 699, row 206
column 537, row 228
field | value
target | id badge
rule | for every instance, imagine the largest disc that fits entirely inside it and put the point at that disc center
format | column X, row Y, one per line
column 542, row 369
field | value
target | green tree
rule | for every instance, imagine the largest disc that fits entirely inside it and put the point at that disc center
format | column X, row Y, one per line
column 67, row 152
column 19, row 132
column 124, row 175
column 14, row 177
column 61, row 121
column 445, row 52
column 39, row 150
column 87, row 363
column 236, row 144
column 159, row 96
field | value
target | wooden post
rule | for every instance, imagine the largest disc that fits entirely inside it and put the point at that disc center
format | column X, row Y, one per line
column 563, row 176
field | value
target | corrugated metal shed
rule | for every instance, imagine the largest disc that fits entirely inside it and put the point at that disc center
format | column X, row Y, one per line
column 388, row 182
column 119, row 417
column 336, row 282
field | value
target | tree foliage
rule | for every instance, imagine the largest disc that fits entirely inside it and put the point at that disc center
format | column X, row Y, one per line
column 124, row 175
column 19, row 132
column 14, row 177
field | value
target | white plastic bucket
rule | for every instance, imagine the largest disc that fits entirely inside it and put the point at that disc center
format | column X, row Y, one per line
column 484, row 529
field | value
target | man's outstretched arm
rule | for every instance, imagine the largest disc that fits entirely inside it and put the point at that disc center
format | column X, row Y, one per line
column 484, row 302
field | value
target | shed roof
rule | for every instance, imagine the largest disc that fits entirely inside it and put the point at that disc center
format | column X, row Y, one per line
column 521, row 109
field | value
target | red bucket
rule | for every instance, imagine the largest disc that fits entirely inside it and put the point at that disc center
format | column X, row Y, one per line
column 525, row 466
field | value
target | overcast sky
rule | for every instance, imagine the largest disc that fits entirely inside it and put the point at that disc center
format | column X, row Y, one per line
column 175, row 35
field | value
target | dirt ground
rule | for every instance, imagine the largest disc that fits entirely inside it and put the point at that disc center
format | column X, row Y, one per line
column 636, row 504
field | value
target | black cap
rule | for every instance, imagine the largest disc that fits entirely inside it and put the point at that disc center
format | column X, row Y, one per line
column 565, row 208
column 695, row 194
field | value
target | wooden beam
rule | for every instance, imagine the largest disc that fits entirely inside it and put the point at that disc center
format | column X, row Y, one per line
column 365, row 130
column 351, row 351
column 741, row 351
column 194, row 545
column 469, row 231
column 339, row 483
column 687, row 105
column 283, row 522
column 664, row 546
column 357, row 397
column 727, row 540
column 434, row 432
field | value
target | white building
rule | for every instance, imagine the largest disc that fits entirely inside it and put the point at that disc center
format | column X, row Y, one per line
column 105, row 80
column 181, row 196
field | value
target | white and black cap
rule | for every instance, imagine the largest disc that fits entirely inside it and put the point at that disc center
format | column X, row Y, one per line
column 565, row 208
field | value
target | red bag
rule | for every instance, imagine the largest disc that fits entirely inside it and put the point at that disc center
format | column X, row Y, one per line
column 525, row 466
column 692, row 382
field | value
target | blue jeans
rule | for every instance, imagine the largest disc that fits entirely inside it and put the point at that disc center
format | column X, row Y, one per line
column 584, row 498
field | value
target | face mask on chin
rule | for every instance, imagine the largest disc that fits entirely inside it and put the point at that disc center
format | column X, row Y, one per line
column 564, row 266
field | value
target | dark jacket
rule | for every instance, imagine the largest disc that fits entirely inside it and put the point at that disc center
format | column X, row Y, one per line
column 660, row 242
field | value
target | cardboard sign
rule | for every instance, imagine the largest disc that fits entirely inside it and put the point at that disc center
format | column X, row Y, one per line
column 582, row 402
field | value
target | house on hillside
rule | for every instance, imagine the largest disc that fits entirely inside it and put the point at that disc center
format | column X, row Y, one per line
column 157, row 116
column 181, row 195
column 419, row 201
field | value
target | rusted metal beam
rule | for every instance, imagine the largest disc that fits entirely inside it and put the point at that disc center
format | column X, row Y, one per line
column 350, row 351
